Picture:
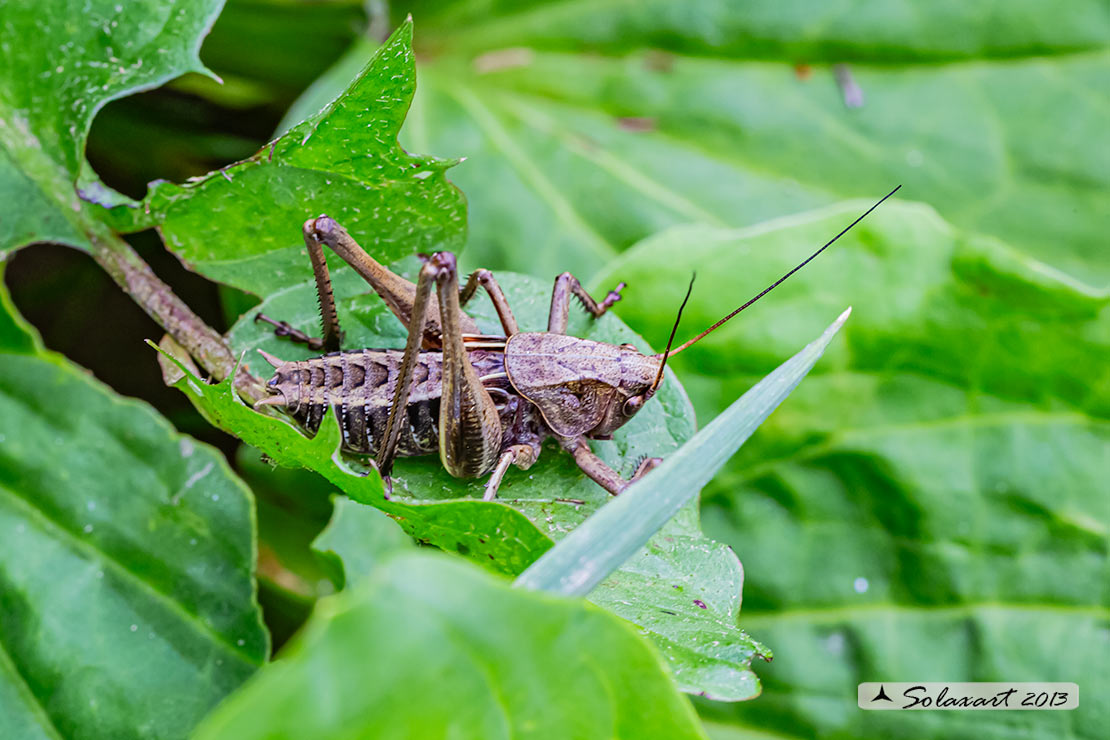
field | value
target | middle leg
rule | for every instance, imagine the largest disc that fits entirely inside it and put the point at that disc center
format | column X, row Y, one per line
column 598, row 471
column 567, row 285
column 486, row 279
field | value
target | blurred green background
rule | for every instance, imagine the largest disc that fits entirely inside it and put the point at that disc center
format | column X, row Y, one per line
column 933, row 502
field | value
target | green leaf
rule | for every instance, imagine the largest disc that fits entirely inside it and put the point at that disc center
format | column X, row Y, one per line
column 336, row 77
column 242, row 225
column 589, row 128
column 899, row 30
column 264, row 52
column 504, row 663
column 535, row 507
column 292, row 508
column 605, row 541
column 930, row 504
column 127, row 596
column 17, row 336
column 356, row 540
column 62, row 62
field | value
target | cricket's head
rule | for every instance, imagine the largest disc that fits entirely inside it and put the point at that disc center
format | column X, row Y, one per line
column 637, row 384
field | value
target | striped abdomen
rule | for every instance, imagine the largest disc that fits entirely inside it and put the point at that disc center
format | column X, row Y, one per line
column 360, row 385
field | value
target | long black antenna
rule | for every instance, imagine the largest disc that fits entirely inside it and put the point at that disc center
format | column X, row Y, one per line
column 775, row 284
column 674, row 330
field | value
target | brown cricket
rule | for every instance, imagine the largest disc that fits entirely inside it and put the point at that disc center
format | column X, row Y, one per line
column 482, row 402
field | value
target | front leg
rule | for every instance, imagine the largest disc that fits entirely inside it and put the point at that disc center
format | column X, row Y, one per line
column 486, row 279
column 567, row 285
column 598, row 471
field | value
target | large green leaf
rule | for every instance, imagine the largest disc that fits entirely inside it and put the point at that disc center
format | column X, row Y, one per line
column 127, row 599
column 931, row 503
column 62, row 61
column 430, row 647
column 897, row 30
column 588, row 128
column 357, row 539
column 242, row 224
column 535, row 507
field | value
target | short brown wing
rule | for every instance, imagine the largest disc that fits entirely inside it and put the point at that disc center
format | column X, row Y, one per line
column 567, row 378
column 571, row 409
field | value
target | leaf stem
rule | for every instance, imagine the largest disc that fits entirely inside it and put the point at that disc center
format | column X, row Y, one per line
column 134, row 275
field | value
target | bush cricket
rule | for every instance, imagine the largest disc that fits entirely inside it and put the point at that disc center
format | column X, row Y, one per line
column 482, row 402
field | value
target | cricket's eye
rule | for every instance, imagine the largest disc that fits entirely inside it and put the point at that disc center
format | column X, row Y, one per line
column 632, row 405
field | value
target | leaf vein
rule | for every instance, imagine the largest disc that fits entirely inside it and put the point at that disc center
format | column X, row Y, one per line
column 52, row 527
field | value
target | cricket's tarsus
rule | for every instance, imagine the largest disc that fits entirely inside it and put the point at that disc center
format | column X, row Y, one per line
column 437, row 395
column 284, row 329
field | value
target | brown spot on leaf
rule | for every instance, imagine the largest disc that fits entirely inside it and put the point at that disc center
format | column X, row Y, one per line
column 637, row 124
column 658, row 61
column 503, row 59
